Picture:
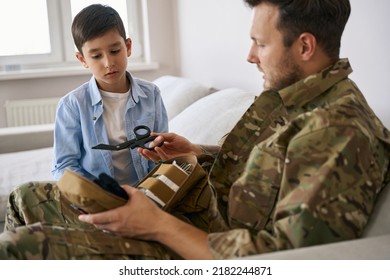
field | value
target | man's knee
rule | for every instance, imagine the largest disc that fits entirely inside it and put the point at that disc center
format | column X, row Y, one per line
column 32, row 202
column 33, row 193
column 23, row 243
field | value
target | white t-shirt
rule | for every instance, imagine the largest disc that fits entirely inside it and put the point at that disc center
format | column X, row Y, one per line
column 114, row 106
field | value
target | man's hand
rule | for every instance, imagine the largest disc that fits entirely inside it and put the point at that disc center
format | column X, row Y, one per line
column 173, row 146
column 141, row 218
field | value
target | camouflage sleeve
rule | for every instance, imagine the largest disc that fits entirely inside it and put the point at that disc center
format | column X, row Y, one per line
column 327, row 191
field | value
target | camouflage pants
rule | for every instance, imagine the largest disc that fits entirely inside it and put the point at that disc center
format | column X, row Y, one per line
column 41, row 225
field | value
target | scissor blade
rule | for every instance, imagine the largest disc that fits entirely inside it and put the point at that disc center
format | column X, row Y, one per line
column 105, row 147
column 118, row 147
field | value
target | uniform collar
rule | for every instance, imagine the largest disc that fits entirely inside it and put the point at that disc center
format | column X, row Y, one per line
column 303, row 91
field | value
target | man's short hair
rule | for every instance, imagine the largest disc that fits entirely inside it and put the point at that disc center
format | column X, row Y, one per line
column 325, row 19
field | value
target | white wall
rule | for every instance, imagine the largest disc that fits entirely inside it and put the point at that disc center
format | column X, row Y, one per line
column 214, row 41
column 366, row 43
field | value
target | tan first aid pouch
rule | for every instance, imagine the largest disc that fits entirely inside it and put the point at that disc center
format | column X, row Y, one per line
column 85, row 195
column 180, row 183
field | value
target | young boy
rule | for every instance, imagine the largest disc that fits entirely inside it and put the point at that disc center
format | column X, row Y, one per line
column 108, row 107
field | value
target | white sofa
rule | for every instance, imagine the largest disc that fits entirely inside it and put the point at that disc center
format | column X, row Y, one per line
column 203, row 115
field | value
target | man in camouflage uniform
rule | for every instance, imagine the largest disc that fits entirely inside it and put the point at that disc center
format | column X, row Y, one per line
column 302, row 167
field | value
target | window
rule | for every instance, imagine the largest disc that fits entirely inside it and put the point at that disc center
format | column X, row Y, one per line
column 42, row 38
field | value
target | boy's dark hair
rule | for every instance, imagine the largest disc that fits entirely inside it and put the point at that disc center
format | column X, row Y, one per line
column 94, row 21
column 325, row 19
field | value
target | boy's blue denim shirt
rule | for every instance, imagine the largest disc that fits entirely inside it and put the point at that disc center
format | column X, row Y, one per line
column 79, row 126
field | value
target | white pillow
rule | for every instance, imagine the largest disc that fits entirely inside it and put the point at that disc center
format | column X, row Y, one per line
column 210, row 118
column 178, row 93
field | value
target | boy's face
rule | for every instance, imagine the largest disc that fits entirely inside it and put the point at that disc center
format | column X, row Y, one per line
column 106, row 57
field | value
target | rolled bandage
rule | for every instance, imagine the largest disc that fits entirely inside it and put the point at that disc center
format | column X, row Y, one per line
column 167, row 182
column 151, row 195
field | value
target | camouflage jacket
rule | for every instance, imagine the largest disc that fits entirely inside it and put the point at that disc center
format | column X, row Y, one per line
column 302, row 167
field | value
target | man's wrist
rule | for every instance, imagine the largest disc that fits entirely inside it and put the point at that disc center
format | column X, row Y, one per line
column 207, row 150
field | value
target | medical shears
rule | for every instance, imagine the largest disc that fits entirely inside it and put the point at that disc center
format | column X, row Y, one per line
column 141, row 140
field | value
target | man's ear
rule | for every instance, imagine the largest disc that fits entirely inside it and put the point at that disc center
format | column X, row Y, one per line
column 81, row 58
column 308, row 45
column 128, row 46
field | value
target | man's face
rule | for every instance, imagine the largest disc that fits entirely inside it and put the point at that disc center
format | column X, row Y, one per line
column 268, row 52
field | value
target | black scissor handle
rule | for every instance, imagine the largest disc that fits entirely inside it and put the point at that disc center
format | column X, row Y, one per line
column 141, row 128
column 142, row 139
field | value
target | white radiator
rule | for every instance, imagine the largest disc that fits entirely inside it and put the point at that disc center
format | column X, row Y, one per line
column 31, row 111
